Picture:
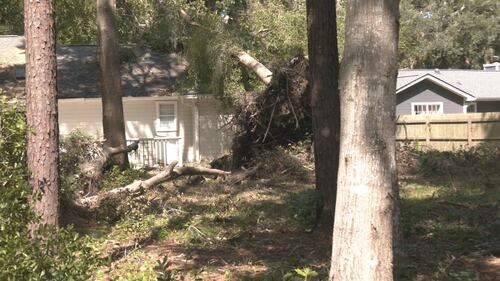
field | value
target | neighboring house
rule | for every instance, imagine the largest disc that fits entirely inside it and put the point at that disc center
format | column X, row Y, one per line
column 186, row 127
column 448, row 91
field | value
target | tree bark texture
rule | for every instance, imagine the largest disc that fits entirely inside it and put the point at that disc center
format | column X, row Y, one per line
column 109, row 61
column 41, row 109
column 367, row 187
column 325, row 104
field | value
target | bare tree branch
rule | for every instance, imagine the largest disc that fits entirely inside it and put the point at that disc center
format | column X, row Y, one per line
column 111, row 151
column 170, row 173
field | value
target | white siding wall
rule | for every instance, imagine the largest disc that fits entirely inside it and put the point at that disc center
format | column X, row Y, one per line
column 86, row 116
column 215, row 140
column 140, row 116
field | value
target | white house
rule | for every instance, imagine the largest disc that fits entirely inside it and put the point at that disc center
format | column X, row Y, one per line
column 170, row 125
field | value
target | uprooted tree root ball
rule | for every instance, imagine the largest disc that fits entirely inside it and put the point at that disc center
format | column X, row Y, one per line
column 278, row 116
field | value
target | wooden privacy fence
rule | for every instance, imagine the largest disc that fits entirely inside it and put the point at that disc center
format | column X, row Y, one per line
column 449, row 131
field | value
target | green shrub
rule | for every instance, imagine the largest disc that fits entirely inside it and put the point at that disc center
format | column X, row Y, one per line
column 75, row 148
column 477, row 160
column 116, row 177
column 50, row 254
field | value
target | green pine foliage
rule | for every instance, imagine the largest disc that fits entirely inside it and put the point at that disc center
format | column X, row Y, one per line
column 48, row 254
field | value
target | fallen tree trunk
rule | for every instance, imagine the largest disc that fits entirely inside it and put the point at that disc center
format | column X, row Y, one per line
column 264, row 74
column 94, row 170
column 170, row 173
column 239, row 177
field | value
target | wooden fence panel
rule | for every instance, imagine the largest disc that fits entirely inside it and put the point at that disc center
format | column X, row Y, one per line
column 449, row 131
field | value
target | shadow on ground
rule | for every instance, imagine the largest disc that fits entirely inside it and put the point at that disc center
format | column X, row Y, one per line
column 451, row 229
column 254, row 231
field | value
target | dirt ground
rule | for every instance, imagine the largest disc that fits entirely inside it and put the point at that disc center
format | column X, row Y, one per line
column 261, row 230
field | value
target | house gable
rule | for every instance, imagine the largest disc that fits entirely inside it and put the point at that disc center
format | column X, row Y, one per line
column 437, row 81
column 428, row 92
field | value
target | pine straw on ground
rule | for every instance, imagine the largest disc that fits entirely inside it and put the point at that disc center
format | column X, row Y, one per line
column 260, row 230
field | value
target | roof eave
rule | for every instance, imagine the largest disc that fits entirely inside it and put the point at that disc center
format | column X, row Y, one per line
column 439, row 82
column 488, row 99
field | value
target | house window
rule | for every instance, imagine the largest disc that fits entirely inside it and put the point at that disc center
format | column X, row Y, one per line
column 167, row 117
column 418, row 108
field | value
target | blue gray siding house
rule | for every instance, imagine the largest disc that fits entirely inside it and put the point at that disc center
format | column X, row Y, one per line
column 448, row 91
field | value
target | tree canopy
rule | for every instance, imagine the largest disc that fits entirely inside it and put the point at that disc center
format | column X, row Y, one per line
column 433, row 34
column 449, row 34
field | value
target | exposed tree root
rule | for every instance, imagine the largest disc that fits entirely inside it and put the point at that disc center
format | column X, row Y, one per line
column 279, row 116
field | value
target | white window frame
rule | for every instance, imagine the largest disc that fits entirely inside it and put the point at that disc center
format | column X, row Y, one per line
column 157, row 121
column 440, row 103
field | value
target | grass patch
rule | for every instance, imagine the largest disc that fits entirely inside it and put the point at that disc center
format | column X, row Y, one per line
column 254, row 231
column 448, row 225
column 250, row 232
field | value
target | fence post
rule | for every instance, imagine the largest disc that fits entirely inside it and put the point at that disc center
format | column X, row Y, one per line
column 469, row 130
column 427, row 131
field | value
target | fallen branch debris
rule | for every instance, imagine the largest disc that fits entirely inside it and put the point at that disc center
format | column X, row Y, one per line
column 239, row 177
column 170, row 173
column 94, row 169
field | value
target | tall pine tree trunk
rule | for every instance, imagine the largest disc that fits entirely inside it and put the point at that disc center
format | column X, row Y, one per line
column 41, row 108
column 109, row 61
column 323, row 80
column 367, row 187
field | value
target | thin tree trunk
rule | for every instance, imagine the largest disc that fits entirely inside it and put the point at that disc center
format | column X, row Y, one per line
column 367, row 187
column 41, row 109
column 264, row 74
column 325, row 104
column 109, row 60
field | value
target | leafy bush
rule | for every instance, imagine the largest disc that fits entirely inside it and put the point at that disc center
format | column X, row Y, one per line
column 479, row 160
column 48, row 254
column 75, row 148
column 116, row 177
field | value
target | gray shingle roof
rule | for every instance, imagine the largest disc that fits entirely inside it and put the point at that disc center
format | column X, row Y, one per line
column 144, row 73
column 483, row 85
